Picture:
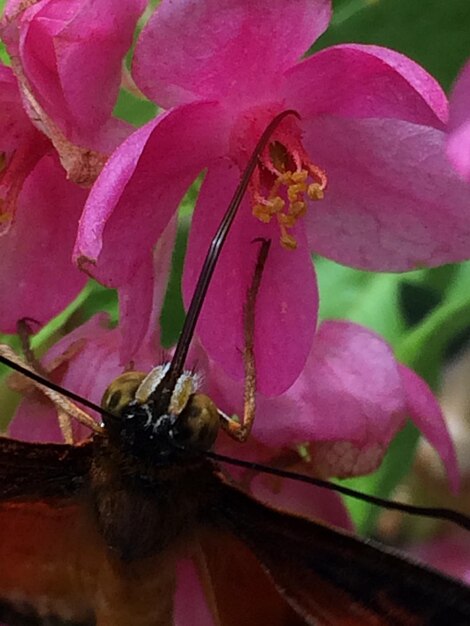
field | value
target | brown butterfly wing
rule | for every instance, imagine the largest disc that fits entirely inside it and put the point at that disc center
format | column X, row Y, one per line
column 334, row 579
column 32, row 470
column 237, row 587
column 45, row 538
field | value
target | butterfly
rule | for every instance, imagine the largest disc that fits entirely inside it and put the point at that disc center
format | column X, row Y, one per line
column 90, row 534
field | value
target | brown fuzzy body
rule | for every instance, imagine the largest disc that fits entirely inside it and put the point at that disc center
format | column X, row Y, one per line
column 142, row 510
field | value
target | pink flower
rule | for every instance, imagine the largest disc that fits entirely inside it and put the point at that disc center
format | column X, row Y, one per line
column 449, row 553
column 67, row 56
column 371, row 127
column 54, row 130
column 458, row 144
column 348, row 403
column 39, row 211
column 85, row 361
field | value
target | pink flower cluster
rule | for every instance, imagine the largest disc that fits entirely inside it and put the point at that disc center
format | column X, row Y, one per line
column 56, row 128
column 361, row 177
column 374, row 189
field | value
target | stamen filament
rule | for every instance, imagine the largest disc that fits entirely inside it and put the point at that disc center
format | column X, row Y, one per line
column 288, row 172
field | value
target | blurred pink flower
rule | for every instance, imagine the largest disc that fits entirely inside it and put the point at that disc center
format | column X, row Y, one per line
column 56, row 127
column 39, row 212
column 458, row 144
column 67, row 56
column 85, row 361
column 449, row 553
column 371, row 126
column 348, row 403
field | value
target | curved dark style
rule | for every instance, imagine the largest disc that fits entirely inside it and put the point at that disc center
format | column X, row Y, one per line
column 184, row 341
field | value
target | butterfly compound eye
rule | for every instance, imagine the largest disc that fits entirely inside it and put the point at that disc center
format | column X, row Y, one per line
column 121, row 392
column 190, row 424
column 197, row 425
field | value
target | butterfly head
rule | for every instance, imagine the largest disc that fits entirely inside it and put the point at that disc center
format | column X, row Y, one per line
column 184, row 425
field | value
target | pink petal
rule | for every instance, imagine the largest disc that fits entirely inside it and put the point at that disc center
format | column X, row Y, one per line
column 71, row 50
column 349, row 391
column 286, row 306
column 450, row 554
column 14, row 123
column 458, row 143
column 92, row 362
column 90, row 344
column 191, row 608
column 301, row 499
column 234, row 49
column 12, row 6
column 106, row 193
column 427, row 416
column 140, row 188
column 21, row 144
column 35, row 420
column 137, row 299
column 359, row 81
column 393, row 202
column 39, row 242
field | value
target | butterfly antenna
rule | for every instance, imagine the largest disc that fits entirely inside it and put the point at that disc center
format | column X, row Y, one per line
column 179, row 357
column 441, row 513
column 45, row 382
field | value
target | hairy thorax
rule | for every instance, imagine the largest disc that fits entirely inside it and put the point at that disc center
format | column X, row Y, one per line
column 143, row 509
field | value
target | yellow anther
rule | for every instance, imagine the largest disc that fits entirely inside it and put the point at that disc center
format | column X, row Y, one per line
column 260, row 212
column 287, row 220
column 287, row 241
column 277, row 204
column 265, row 209
column 284, row 183
column 298, row 208
column 315, row 191
column 295, row 190
column 300, row 176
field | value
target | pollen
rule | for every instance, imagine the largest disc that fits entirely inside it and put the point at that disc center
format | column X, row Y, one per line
column 283, row 183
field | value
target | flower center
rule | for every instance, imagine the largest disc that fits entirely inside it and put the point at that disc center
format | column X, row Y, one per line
column 282, row 184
